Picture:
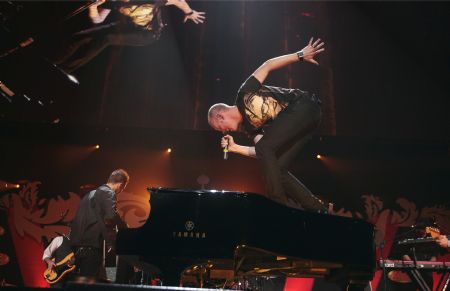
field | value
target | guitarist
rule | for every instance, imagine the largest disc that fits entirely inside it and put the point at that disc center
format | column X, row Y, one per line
column 95, row 222
column 59, row 251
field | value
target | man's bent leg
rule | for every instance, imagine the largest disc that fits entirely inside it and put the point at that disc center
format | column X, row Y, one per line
column 301, row 194
column 295, row 122
column 293, row 187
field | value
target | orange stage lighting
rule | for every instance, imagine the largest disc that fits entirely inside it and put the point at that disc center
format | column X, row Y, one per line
column 169, row 150
column 97, row 146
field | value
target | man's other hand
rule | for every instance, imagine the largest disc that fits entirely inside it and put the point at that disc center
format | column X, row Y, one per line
column 196, row 17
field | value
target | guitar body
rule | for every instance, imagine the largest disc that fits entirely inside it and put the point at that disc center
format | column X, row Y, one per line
column 62, row 268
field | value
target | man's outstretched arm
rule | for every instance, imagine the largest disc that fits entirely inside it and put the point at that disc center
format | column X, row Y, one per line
column 307, row 54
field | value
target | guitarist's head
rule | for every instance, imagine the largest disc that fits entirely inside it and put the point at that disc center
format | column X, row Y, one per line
column 118, row 180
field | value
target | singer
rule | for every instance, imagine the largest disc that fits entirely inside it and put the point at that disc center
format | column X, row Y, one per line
column 280, row 121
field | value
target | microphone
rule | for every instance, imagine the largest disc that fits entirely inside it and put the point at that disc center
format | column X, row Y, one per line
column 225, row 152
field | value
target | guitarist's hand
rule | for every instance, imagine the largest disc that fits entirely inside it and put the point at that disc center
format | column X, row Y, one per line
column 442, row 240
column 50, row 265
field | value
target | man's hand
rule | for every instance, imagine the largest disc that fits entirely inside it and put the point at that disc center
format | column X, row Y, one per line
column 98, row 15
column 227, row 140
column 50, row 264
column 442, row 240
column 312, row 49
column 196, row 17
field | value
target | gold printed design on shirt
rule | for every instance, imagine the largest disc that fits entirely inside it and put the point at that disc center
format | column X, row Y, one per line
column 260, row 109
column 141, row 15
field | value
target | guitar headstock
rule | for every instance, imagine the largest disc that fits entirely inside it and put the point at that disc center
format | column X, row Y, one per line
column 433, row 231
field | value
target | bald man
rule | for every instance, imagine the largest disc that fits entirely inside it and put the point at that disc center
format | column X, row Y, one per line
column 280, row 121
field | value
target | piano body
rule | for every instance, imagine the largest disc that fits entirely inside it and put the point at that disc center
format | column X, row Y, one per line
column 213, row 238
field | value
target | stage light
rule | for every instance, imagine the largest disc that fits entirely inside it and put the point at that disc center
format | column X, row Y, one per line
column 73, row 79
column 17, row 186
column 169, row 150
column 97, row 146
column 319, row 157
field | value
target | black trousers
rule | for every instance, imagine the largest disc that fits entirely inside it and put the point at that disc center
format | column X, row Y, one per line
column 282, row 141
column 85, row 45
column 88, row 261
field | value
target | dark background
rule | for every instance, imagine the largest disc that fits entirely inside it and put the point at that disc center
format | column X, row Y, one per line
column 384, row 73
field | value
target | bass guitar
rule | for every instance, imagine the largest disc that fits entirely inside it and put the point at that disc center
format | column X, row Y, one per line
column 61, row 269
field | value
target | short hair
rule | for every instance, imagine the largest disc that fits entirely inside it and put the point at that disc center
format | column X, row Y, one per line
column 119, row 176
column 216, row 108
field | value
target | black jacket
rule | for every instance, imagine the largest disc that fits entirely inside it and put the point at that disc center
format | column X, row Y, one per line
column 88, row 227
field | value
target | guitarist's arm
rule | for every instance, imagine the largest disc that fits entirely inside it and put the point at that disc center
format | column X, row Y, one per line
column 443, row 241
column 48, row 252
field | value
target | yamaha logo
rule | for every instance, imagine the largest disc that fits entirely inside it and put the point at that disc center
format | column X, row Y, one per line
column 189, row 225
column 188, row 234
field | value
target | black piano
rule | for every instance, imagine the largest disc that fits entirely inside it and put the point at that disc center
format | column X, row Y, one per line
column 208, row 238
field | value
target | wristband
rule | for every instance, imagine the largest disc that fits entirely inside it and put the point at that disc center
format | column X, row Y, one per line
column 300, row 55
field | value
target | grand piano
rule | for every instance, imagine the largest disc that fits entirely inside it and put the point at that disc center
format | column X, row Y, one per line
column 209, row 238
